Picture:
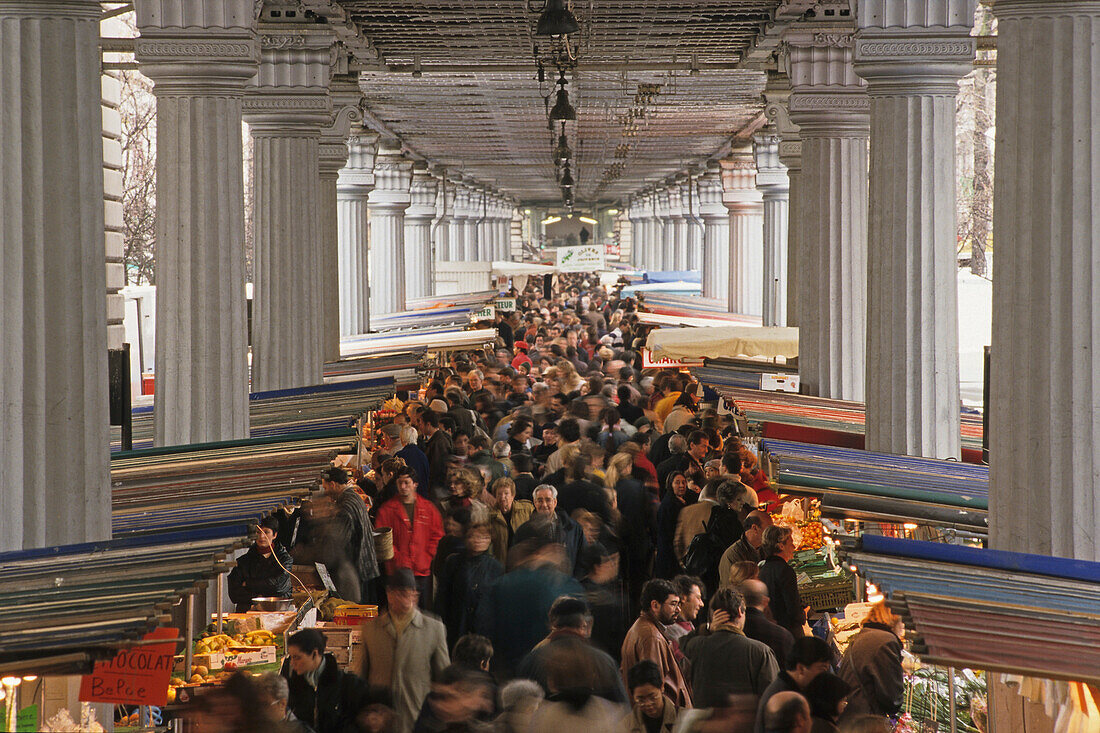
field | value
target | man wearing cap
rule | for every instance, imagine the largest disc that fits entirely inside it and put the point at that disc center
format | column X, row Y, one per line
column 521, row 357
column 341, row 536
column 404, row 649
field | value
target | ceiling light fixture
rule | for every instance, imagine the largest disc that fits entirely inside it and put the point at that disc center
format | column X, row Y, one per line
column 562, row 110
column 566, row 177
column 556, row 20
column 562, row 152
column 551, row 220
column 587, row 219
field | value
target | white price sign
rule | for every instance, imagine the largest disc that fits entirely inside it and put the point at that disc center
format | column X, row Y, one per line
column 585, row 258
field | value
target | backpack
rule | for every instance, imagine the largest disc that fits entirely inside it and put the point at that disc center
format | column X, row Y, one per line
column 704, row 552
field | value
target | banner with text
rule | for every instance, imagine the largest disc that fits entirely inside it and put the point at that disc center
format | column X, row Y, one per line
column 585, row 258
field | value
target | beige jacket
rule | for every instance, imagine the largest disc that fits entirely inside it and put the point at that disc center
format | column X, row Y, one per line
column 692, row 521
column 405, row 665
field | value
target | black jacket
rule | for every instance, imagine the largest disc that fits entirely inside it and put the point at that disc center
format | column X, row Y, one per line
column 588, row 667
column 758, row 626
column 564, row 531
column 462, row 584
column 782, row 683
column 256, row 575
column 333, row 706
column 786, row 603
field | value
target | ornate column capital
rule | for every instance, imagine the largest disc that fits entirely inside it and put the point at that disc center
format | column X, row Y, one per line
column 914, row 46
column 661, row 203
column 739, row 192
column 771, row 174
column 710, row 193
column 345, row 95
column 357, row 175
column 777, row 96
column 197, row 47
column 445, row 196
column 675, row 200
column 827, row 96
column 422, row 194
column 392, row 177
column 290, row 90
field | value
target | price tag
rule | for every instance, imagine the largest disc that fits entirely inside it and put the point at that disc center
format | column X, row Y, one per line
column 326, row 579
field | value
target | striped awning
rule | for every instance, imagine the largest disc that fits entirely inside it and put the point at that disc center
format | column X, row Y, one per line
column 1003, row 611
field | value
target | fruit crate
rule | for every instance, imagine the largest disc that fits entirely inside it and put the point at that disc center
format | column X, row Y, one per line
column 828, row 595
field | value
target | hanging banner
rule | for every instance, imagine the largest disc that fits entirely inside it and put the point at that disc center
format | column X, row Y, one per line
column 505, row 305
column 585, row 258
column 488, row 313
column 136, row 676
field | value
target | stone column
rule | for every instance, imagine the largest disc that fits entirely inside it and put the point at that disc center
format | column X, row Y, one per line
column 418, row 232
column 53, row 313
column 716, row 234
column 387, row 202
column 829, row 104
column 664, row 259
column 653, row 232
column 353, row 186
column 1045, row 398
column 333, row 150
column 771, row 181
column 505, row 224
column 458, row 222
column 200, row 66
column 286, row 108
column 746, row 249
column 637, row 234
column 776, row 95
column 444, row 213
column 676, row 229
column 474, row 240
column 912, row 55
column 693, row 239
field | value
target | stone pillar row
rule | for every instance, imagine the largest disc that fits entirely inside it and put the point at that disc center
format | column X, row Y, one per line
column 773, row 183
column 716, row 235
column 746, row 227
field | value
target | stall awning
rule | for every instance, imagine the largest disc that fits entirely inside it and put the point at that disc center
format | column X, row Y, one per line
column 723, row 341
column 440, row 339
column 802, row 418
column 862, row 484
column 1003, row 611
column 288, row 412
column 404, row 367
column 427, row 318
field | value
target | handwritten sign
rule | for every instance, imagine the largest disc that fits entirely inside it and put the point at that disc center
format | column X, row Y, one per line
column 648, row 362
column 136, row 676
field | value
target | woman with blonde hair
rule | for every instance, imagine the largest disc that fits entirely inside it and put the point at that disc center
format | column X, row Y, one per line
column 568, row 379
column 872, row 665
column 465, row 486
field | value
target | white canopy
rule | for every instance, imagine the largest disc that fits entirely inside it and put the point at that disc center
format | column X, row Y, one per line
column 716, row 342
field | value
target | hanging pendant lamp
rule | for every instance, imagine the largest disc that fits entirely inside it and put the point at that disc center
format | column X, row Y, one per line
column 566, row 177
column 556, row 20
column 562, row 110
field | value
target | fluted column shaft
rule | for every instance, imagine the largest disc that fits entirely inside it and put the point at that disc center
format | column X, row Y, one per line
column 457, row 235
column 771, row 181
column 829, row 104
column 201, row 360
column 664, row 259
column 693, row 235
column 388, row 201
column 746, row 248
column 353, row 186
column 1045, row 377
column 912, row 72
column 677, row 230
column 716, row 235
column 418, row 234
column 637, row 236
column 286, row 109
column 333, row 149
column 54, row 486
column 444, row 211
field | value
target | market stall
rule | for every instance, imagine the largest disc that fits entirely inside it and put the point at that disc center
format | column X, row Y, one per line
column 723, row 341
column 807, row 419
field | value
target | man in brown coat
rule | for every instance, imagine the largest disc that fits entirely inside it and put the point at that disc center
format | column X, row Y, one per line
column 646, row 640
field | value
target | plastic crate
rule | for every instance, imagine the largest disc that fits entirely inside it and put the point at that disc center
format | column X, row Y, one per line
column 831, row 596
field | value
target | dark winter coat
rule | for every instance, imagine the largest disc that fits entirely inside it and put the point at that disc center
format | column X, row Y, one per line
column 462, row 584
column 333, row 706
column 758, row 626
column 725, row 663
column 564, row 531
column 257, row 576
column 786, row 603
column 872, row 665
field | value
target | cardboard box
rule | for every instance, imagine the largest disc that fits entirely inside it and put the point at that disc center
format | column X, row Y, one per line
column 212, row 661
column 253, row 655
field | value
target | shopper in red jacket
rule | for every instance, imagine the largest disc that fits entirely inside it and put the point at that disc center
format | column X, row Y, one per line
column 417, row 528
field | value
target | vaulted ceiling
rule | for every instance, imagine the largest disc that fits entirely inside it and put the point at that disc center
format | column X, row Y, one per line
column 659, row 85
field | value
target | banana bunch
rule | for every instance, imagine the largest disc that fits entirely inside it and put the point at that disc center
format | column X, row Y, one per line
column 214, row 643
column 258, row 637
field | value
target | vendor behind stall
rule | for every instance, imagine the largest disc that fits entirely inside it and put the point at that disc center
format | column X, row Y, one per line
column 258, row 572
